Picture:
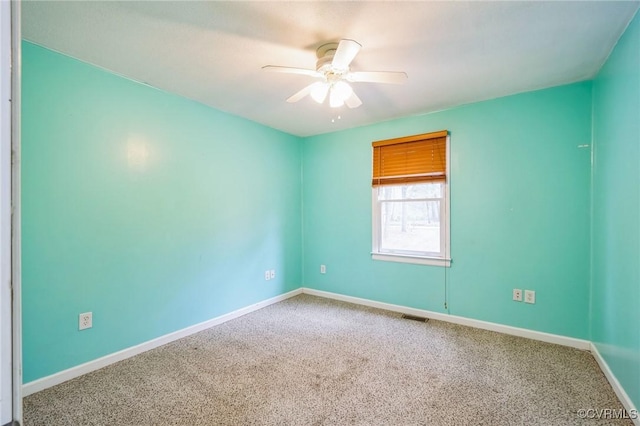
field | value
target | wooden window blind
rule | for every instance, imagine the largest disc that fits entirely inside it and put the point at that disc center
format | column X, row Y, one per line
column 412, row 159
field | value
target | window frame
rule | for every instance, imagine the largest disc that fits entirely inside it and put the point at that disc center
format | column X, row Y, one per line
column 444, row 259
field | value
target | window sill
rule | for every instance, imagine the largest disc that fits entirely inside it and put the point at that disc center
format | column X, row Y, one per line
column 434, row 261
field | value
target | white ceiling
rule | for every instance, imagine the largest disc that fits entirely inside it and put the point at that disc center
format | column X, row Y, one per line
column 453, row 52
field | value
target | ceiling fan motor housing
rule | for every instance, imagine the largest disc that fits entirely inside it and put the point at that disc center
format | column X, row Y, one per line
column 325, row 54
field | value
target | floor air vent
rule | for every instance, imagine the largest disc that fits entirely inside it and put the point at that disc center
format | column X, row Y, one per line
column 414, row 318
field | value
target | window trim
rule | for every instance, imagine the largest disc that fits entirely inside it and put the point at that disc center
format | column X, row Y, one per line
column 418, row 260
column 445, row 260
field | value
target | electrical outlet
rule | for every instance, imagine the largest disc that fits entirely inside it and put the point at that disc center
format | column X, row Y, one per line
column 85, row 320
column 323, row 269
column 273, row 274
column 267, row 275
column 529, row 296
column 517, row 295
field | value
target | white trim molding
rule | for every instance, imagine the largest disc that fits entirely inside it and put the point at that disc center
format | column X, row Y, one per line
column 15, row 29
column 485, row 325
column 434, row 261
column 77, row 371
column 624, row 398
column 6, row 116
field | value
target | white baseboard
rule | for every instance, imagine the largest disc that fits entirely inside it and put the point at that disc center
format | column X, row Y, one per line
column 71, row 373
column 615, row 384
column 506, row 329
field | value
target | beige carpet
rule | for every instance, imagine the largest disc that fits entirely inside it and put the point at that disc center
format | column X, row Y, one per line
column 312, row 361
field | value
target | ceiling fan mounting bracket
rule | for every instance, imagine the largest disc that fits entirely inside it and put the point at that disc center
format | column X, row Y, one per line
column 326, row 50
column 325, row 54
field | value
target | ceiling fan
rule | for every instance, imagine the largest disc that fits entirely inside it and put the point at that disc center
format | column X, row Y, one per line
column 332, row 68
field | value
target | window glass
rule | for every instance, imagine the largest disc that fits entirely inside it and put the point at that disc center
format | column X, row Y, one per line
column 410, row 218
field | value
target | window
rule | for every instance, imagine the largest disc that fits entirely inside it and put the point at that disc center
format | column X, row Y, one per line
column 411, row 199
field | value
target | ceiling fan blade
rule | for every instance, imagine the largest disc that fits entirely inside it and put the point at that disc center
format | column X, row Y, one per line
column 388, row 77
column 290, row 70
column 301, row 94
column 347, row 50
column 353, row 101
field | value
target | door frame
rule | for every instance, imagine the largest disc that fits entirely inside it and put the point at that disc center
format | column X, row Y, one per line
column 16, row 227
column 10, row 250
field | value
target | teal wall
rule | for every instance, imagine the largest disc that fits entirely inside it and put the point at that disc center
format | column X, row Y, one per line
column 520, row 212
column 133, row 208
column 615, row 306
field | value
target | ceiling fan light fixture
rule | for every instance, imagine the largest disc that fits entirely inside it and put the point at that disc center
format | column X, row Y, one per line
column 343, row 89
column 319, row 91
column 335, row 100
column 340, row 92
